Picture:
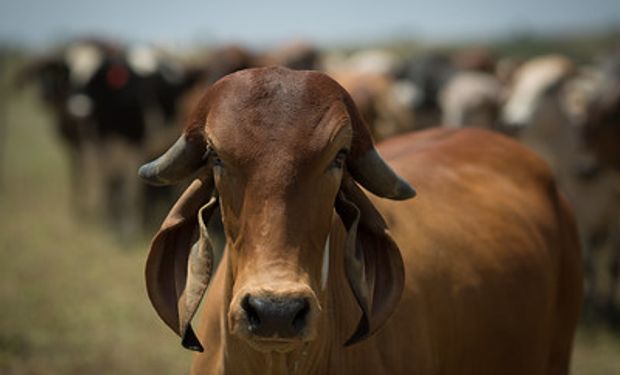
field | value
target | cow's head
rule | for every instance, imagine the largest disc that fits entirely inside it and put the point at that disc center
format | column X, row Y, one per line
column 274, row 151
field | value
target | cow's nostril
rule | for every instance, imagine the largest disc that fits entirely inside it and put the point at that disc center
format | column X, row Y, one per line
column 299, row 321
column 281, row 317
column 252, row 315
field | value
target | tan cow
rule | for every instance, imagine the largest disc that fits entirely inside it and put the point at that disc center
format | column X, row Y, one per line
column 311, row 280
column 471, row 99
column 382, row 102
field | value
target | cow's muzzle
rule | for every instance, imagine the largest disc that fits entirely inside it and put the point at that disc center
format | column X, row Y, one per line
column 274, row 321
column 280, row 318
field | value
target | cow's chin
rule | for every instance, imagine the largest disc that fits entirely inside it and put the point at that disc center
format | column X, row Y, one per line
column 269, row 345
column 240, row 330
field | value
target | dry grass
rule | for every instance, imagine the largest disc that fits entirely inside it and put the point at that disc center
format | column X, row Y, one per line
column 597, row 352
column 73, row 300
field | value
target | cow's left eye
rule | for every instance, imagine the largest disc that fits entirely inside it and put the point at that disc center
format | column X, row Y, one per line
column 340, row 158
column 217, row 162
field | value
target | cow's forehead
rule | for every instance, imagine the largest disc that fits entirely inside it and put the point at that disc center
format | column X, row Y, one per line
column 275, row 110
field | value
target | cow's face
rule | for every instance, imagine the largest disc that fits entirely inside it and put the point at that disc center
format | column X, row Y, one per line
column 277, row 173
column 282, row 149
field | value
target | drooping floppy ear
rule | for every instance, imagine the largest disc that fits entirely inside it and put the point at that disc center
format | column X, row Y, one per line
column 373, row 264
column 180, row 262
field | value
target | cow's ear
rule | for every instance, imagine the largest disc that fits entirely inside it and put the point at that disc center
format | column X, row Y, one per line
column 374, row 266
column 180, row 262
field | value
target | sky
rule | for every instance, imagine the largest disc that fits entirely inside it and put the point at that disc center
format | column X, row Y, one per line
column 265, row 22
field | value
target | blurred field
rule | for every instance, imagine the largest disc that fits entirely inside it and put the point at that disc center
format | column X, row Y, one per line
column 73, row 300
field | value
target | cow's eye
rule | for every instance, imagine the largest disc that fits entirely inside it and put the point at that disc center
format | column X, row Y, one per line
column 340, row 158
column 217, row 162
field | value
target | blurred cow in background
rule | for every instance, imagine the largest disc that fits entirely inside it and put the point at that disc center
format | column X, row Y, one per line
column 224, row 60
column 471, row 99
column 298, row 55
column 114, row 107
column 602, row 129
column 398, row 95
column 454, row 90
column 602, row 137
column 379, row 101
column 428, row 73
column 229, row 58
column 384, row 102
column 547, row 110
column 475, row 59
column 535, row 91
column 472, row 95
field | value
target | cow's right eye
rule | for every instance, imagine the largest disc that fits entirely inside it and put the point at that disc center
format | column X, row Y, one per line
column 340, row 159
column 217, row 162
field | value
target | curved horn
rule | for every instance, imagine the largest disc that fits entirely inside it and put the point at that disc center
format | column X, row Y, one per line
column 183, row 158
column 373, row 173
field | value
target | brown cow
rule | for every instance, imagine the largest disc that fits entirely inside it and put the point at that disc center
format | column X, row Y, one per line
column 487, row 279
column 602, row 125
column 378, row 99
column 295, row 54
column 548, row 106
column 471, row 99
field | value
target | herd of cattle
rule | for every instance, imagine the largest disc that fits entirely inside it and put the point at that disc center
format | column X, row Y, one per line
column 116, row 106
